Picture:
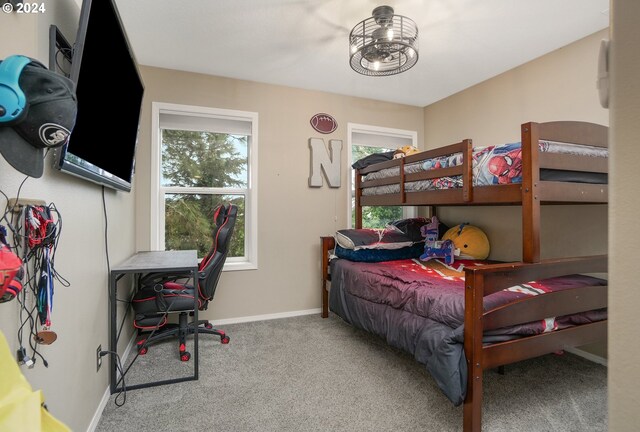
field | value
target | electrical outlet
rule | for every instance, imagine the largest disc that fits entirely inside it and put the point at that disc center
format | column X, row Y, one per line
column 98, row 358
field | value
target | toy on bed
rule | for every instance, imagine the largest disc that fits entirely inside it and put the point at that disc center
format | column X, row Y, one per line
column 433, row 248
column 405, row 151
column 464, row 240
column 470, row 240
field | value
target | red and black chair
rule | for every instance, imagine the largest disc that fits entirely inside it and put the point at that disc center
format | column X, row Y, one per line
column 161, row 294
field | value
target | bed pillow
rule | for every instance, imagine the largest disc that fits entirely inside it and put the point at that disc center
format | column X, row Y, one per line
column 411, row 228
column 378, row 255
column 373, row 159
column 387, row 238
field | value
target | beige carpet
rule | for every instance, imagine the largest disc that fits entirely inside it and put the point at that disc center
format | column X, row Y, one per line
column 310, row 374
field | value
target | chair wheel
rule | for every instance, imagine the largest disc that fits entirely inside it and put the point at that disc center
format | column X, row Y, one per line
column 225, row 340
column 208, row 326
column 185, row 356
column 142, row 349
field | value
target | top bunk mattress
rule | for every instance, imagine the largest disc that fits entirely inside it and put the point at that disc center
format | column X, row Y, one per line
column 492, row 165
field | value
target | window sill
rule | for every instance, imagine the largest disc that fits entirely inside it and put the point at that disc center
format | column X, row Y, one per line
column 239, row 266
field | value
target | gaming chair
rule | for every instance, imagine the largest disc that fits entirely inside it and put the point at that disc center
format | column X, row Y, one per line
column 162, row 293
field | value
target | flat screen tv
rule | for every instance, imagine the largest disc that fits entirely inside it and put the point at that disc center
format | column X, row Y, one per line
column 102, row 145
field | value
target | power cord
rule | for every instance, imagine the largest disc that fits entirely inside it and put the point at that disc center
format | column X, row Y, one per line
column 67, row 53
column 120, row 369
column 106, row 231
column 121, row 398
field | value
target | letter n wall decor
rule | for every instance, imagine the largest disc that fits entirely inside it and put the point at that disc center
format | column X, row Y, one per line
column 322, row 161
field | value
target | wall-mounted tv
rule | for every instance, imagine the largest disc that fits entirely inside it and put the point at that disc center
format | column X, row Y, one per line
column 102, row 145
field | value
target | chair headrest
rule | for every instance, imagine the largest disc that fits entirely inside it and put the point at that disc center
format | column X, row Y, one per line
column 220, row 214
column 226, row 226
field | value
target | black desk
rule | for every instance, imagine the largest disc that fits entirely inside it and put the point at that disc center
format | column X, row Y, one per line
column 149, row 262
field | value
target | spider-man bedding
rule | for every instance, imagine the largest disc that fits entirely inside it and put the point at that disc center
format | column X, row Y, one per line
column 419, row 307
column 492, row 165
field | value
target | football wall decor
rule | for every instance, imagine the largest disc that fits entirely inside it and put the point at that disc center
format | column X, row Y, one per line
column 323, row 123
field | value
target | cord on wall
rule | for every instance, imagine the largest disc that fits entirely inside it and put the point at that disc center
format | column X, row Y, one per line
column 106, row 231
column 123, row 393
column 35, row 229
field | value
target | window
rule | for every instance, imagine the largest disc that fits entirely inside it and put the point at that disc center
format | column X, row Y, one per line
column 204, row 157
column 363, row 141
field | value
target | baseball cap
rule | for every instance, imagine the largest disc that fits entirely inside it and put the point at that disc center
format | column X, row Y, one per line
column 46, row 122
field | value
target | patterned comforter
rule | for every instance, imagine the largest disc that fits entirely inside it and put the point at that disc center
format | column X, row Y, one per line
column 419, row 307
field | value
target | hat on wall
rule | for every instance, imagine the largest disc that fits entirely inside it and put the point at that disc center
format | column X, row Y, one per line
column 37, row 111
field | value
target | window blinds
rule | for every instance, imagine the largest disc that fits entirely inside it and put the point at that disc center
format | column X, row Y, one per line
column 200, row 122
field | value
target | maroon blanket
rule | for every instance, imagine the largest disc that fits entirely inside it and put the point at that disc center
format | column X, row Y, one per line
column 419, row 307
column 438, row 293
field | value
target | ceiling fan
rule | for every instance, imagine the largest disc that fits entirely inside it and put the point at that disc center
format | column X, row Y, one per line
column 384, row 44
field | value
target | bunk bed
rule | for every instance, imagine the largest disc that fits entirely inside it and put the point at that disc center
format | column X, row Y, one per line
column 547, row 178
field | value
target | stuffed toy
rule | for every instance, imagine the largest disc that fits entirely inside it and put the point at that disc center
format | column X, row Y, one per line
column 404, row 151
column 434, row 248
column 470, row 240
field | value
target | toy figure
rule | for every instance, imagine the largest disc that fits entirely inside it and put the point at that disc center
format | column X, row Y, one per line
column 434, row 248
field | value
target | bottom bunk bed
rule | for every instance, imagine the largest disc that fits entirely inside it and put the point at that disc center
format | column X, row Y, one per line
column 460, row 323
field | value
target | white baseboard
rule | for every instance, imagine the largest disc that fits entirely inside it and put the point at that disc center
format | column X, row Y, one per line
column 587, row 355
column 265, row 317
column 96, row 416
column 107, row 393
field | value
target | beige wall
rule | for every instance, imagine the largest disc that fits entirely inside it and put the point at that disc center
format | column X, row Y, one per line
column 624, row 208
column 292, row 216
column 71, row 385
column 557, row 86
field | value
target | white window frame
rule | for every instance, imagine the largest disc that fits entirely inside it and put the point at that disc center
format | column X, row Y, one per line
column 250, row 260
column 355, row 128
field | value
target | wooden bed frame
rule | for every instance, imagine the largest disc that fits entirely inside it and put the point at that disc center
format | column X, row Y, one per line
column 530, row 194
column 481, row 282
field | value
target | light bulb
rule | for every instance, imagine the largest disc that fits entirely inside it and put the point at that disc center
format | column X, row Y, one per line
column 390, row 34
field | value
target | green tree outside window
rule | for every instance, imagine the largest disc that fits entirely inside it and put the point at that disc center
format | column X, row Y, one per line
column 196, row 159
column 372, row 216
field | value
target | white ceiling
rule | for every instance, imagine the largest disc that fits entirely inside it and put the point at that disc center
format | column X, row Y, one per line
column 304, row 44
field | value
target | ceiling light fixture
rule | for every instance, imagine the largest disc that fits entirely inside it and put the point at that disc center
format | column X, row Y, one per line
column 384, row 44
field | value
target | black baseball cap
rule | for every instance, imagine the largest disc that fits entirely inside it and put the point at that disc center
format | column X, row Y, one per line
column 46, row 122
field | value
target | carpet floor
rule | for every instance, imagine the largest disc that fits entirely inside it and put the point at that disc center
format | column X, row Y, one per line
column 312, row 374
